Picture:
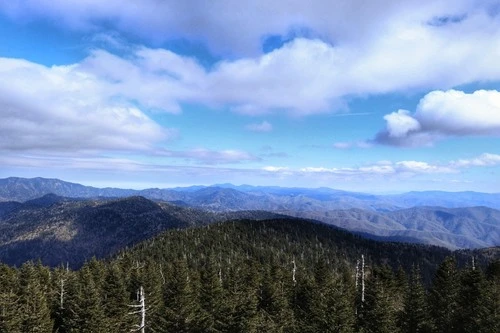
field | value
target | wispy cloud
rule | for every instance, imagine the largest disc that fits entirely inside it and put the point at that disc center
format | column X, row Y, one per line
column 350, row 145
column 484, row 160
column 208, row 156
column 366, row 177
column 264, row 126
column 404, row 168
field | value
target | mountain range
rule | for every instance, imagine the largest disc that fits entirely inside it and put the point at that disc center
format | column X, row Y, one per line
column 59, row 221
column 58, row 230
column 224, row 197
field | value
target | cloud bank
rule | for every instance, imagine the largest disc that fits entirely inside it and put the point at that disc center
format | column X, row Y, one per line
column 354, row 48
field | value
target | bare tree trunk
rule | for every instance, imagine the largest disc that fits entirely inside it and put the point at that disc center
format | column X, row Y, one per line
column 362, row 278
column 142, row 311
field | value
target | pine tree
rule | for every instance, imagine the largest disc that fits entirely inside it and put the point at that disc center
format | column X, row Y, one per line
column 415, row 316
column 443, row 297
column 153, row 280
column 491, row 320
column 10, row 312
column 115, row 300
column 84, row 309
column 34, row 307
column 181, row 304
column 380, row 312
column 332, row 306
column 473, row 314
column 242, row 291
column 211, row 297
column 274, row 310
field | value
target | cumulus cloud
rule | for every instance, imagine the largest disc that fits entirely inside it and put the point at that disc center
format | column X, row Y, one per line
column 442, row 114
column 65, row 108
column 260, row 127
column 234, row 26
column 361, row 49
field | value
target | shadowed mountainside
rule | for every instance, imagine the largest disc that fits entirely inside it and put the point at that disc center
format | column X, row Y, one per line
column 63, row 230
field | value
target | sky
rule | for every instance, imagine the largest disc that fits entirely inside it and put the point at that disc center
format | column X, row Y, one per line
column 378, row 96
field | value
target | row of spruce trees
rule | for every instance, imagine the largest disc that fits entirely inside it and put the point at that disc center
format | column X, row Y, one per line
column 274, row 276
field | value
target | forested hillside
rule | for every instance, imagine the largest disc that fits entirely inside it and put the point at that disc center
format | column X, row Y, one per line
column 259, row 276
column 58, row 230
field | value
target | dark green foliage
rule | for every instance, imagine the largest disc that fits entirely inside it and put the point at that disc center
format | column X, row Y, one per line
column 33, row 304
column 10, row 308
column 239, row 277
column 415, row 317
column 381, row 306
column 444, row 297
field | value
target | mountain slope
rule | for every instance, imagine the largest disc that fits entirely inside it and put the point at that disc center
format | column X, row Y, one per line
column 72, row 231
column 285, row 240
column 470, row 227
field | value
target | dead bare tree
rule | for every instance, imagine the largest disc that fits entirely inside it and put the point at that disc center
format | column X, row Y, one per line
column 141, row 309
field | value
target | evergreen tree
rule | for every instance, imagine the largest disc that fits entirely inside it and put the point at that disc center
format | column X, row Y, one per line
column 211, row 297
column 380, row 311
column 84, row 309
column 243, row 289
column 473, row 313
column 415, row 317
column 115, row 300
column 491, row 295
column 181, row 304
column 332, row 306
column 34, row 307
column 10, row 312
column 444, row 297
column 274, row 310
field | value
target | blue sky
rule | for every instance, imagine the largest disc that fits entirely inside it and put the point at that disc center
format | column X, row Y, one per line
column 382, row 97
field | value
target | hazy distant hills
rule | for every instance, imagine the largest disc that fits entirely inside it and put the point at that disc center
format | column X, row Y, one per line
column 468, row 227
column 229, row 197
column 57, row 229
column 453, row 220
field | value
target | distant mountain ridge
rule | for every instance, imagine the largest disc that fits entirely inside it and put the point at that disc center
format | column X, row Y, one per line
column 58, row 230
column 409, row 217
column 225, row 197
column 466, row 227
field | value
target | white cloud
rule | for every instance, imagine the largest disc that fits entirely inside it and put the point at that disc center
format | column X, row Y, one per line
column 260, row 127
column 275, row 169
column 442, row 114
column 233, row 26
column 65, row 108
column 400, row 123
column 342, row 145
column 364, row 49
column 399, row 168
column 485, row 159
column 349, row 145
column 422, row 167
column 208, row 156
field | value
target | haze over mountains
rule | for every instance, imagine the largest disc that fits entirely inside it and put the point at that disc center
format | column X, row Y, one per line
column 230, row 197
column 61, row 221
